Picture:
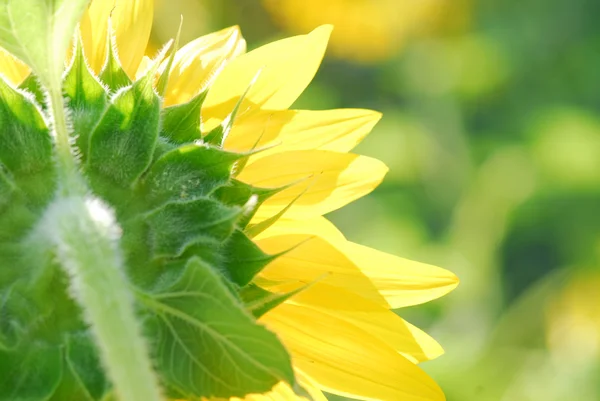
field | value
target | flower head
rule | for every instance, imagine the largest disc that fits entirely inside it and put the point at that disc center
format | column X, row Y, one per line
column 220, row 191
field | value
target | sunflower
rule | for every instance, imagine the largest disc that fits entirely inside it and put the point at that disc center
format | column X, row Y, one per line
column 268, row 175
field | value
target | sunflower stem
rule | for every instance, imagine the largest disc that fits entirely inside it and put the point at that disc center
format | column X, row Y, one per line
column 86, row 237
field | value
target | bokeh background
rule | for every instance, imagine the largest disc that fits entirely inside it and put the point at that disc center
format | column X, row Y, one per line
column 492, row 133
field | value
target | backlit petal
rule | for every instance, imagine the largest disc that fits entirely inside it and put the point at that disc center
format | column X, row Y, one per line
column 197, row 62
column 370, row 316
column 310, row 259
column 286, row 68
column 336, row 130
column 131, row 21
column 347, row 360
column 401, row 281
column 12, row 69
column 326, row 181
column 318, row 226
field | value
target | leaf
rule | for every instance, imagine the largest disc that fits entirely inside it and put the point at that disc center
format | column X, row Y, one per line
column 178, row 225
column 207, row 345
column 187, row 172
column 123, row 143
column 243, row 259
column 181, row 123
column 87, row 99
column 84, row 365
column 259, row 301
column 32, row 373
column 39, row 32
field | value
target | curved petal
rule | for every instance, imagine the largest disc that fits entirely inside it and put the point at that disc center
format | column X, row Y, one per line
column 345, row 359
column 337, row 130
column 401, row 281
column 196, row 63
column 286, row 68
column 14, row 70
column 318, row 226
column 131, row 21
column 370, row 316
column 310, row 259
column 325, row 180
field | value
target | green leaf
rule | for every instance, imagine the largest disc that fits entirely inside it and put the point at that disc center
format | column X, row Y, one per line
column 177, row 226
column 87, row 99
column 122, row 145
column 83, row 364
column 187, row 172
column 181, row 123
column 112, row 74
column 243, row 259
column 7, row 187
column 32, row 373
column 207, row 345
column 39, row 32
column 259, row 301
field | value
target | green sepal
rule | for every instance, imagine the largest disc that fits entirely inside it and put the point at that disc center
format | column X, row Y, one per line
column 181, row 122
column 31, row 373
column 177, row 226
column 87, row 98
column 218, row 135
column 243, row 259
column 239, row 193
column 123, row 143
column 259, row 301
column 32, row 85
column 112, row 74
column 206, row 344
column 163, row 80
column 187, row 172
column 25, row 145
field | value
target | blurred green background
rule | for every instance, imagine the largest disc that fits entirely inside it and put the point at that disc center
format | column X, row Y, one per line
column 492, row 135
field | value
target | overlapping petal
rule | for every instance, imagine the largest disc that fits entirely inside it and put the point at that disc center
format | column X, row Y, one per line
column 131, row 22
column 308, row 259
column 196, row 63
column 347, row 360
column 325, row 181
column 401, row 281
column 336, row 130
column 286, row 68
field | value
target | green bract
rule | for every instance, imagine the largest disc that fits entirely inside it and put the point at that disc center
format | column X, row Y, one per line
column 183, row 218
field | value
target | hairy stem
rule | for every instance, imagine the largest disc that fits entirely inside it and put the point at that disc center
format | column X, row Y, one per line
column 69, row 178
column 85, row 235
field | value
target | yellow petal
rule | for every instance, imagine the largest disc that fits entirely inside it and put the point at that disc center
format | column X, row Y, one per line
column 286, row 68
column 143, row 67
column 401, row 281
column 196, row 63
column 345, row 359
column 328, row 181
column 372, row 317
column 312, row 259
column 12, row 69
column 336, row 130
column 131, row 21
column 318, row 226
